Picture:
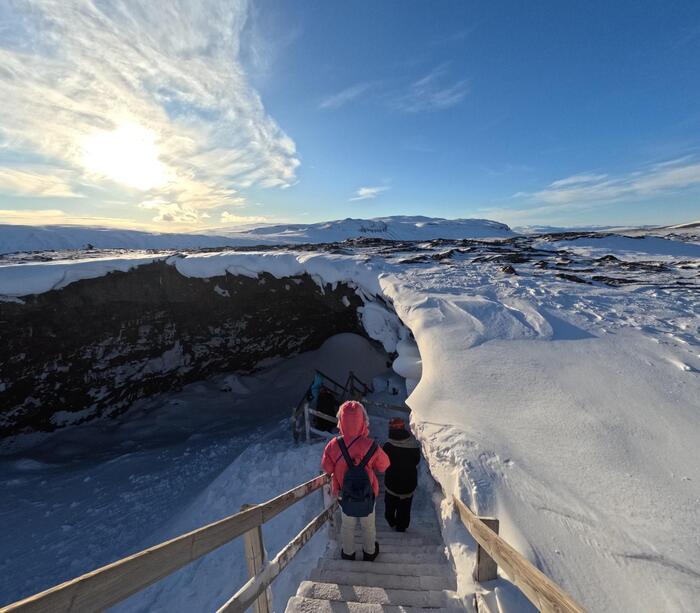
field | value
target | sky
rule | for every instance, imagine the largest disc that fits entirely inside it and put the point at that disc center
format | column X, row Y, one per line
column 176, row 115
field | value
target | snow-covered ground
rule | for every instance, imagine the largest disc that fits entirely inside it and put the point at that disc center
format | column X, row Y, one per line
column 555, row 385
column 17, row 238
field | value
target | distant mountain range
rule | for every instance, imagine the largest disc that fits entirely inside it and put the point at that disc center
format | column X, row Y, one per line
column 20, row 238
column 15, row 238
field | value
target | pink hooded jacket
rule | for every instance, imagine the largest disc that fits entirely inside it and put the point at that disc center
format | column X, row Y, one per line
column 354, row 428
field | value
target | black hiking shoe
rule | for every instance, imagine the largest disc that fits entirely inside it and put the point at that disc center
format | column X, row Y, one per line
column 370, row 557
column 347, row 556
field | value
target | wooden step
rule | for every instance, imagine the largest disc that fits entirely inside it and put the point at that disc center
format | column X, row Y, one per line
column 398, row 538
column 343, row 592
column 386, row 568
column 402, row 558
column 394, row 582
column 300, row 604
column 395, row 547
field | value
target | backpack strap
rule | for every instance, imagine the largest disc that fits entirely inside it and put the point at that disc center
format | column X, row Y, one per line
column 368, row 455
column 344, row 451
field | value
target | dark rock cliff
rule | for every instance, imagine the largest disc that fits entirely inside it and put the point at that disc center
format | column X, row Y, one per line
column 97, row 345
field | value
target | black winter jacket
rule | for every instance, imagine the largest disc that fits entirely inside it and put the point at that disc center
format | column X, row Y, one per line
column 402, row 475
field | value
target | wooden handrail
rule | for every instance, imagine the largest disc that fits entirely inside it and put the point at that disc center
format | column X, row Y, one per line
column 106, row 586
column 255, row 586
column 546, row 595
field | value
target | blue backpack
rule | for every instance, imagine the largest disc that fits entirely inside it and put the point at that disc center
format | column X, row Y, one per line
column 357, row 495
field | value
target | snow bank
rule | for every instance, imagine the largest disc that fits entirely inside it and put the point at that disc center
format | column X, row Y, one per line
column 31, row 278
column 569, row 418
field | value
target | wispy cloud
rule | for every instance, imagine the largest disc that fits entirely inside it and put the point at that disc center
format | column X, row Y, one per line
column 586, row 188
column 344, row 96
column 232, row 218
column 584, row 192
column 433, row 92
column 368, row 193
column 79, row 71
column 42, row 181
column 58, row 216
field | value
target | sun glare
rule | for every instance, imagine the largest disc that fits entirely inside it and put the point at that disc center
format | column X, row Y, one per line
column 127, row 155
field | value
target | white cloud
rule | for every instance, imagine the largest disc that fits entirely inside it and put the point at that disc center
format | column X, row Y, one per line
column 368, row 193
column 584, row 192
column 344, row 96
column 433, row 92
column 20, row 217
column 35, row 181
column 58, row 216
column 600, row 188
column 171, row 212
column 84, row 70
column 231, row 218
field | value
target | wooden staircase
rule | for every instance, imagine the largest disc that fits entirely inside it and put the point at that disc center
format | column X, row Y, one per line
column 411, row 573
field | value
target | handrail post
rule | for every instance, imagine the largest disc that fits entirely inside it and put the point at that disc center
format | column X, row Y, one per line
column 307, row 422
column 328, row 499
column 486, row 567
column 255, row 559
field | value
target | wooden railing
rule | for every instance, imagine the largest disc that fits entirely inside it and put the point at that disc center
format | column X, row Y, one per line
column 540, row 590
column 106, row 586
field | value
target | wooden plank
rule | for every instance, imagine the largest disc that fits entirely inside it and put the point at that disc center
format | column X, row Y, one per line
column 322, row 433
column 245, row 597
column 546, row 595
column 486, row 567
column 255, row 560
column 330, row 418
column 106, row 586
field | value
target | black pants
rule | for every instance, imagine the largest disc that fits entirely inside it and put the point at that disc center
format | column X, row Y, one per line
column 397, row 511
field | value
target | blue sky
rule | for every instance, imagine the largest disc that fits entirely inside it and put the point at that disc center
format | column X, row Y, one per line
column 180, row 115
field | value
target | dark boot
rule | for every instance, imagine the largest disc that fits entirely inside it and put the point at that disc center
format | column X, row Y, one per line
column 370, row 557
column 347, row 556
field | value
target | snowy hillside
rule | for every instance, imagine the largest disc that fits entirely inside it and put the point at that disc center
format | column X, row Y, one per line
column 555, row 385
column 389, row 228
column 16, row 238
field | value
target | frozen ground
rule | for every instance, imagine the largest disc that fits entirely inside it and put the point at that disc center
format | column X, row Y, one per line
column 555, row 384
column 87, row 495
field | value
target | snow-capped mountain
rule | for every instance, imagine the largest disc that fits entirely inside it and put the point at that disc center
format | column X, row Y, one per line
column 399, row 227
column 14, row 238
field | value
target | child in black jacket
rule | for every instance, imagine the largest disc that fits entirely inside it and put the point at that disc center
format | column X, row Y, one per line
column 401, row 476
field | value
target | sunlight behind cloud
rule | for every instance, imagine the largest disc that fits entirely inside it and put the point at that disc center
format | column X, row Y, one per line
column 127, row 155
column 152, row 97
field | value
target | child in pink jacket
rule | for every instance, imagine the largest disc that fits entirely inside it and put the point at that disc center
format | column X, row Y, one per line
column 354, row 431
